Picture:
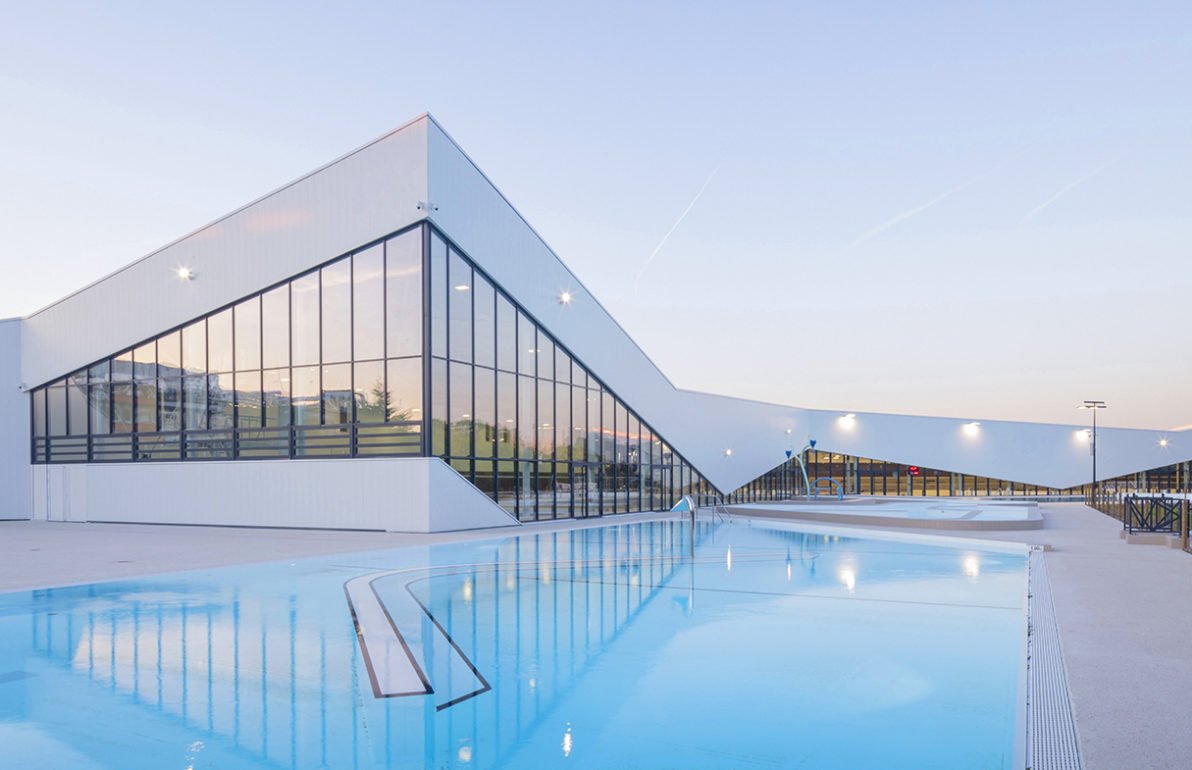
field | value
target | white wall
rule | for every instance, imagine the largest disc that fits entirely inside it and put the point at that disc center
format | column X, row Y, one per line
column 14, row 426
column 367, row 194
column 393, row 494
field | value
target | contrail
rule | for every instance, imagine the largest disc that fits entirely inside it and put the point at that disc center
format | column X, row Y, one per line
column 898, row 218
column 1065, row 190
column 674, row 227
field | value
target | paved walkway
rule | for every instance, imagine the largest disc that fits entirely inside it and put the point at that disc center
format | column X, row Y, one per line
column 1124, row 611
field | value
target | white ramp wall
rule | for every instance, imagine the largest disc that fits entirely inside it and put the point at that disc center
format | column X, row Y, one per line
column 391, row 494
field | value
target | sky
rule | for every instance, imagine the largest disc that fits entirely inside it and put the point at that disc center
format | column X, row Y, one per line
column 963, row 209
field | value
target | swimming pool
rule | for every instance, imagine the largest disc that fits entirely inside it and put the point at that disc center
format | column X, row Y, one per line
column 649, row 644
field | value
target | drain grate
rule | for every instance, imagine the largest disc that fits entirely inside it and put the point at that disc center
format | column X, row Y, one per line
column 1051, row 729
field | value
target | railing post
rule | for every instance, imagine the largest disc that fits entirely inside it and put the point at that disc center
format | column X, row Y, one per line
column 1184, row 524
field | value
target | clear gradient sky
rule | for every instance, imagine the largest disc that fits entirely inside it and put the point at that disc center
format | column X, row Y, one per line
column 977, row 210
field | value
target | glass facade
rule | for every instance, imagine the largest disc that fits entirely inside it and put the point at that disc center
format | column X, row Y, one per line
column 514, row 413
column 302, row 369
column 403, row 347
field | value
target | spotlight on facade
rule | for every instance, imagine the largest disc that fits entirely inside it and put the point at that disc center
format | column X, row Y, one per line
column 185, row 274
column 848, row 421
column 1082, row 435
column 1163, row 443
column 728, row 453
column 972, row 429
column 462, row 287
column 565, row 298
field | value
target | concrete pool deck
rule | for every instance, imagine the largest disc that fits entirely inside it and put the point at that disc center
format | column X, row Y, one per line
column 1124, row 611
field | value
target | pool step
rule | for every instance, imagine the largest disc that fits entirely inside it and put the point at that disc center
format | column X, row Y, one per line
column 407, row 649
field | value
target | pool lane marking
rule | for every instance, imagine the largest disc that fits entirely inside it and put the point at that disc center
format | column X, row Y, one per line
column 484, row 685
column 367, row 611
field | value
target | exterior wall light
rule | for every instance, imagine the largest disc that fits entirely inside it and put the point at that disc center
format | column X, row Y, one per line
column 462, row 287
column 185, row 274
column 1163, row 442
column 1082, row 435
column 565, row 298
column 728, row 453
column 848, row 421
column 972, row 429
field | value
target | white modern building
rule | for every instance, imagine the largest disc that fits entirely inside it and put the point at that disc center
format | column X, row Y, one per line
column 387, row 344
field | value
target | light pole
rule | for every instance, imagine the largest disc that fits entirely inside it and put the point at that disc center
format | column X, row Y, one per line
column 1094, row 406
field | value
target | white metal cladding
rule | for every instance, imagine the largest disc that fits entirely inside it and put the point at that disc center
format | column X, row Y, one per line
column 363, row 196
column 376, row 190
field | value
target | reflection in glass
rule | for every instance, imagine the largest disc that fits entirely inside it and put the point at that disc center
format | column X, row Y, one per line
column 307, row 395
column 370, row 394
column 368, row 304
column 337, row 394
column 403, row 300
column 337, row 311
column 194, row 347
column 275, row 328
column 219, row 342
column 276, row 395
column 248, row 334
column 304, row 319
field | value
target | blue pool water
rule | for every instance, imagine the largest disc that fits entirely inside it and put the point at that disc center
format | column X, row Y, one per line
column 648, row 645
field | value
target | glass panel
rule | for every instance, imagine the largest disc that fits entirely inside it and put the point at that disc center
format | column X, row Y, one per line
column 304, row 314
column 337, row 311
column 276, row 387
column 248, row 399
column 438, row 295
column 526, row 418
column 169, row 354
column 527, row 340
column 438, row 407
column 122, row 367
column 546, row 419
column 194, row 347
column 306, row 395
column 368, row 304
column 506, row 418
column 275, row 328
column 461, row 410
column 248, row 334
column 337, row 394
column 99, row 372
column 219, row 342
column 403, row 298
column 220, row 398
column 76, row 405
column 145, row 361
column 563, row 421
column 121, row 408
column 405, row 390
column 371, row 395
column 546, row 357
column 485, row 416
column 195, row 398
column 579, row 433
column 460, row 300
column 486, row 322
column 170, row 403
column 146, row 416
column 101, row 413
column 506, row 334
